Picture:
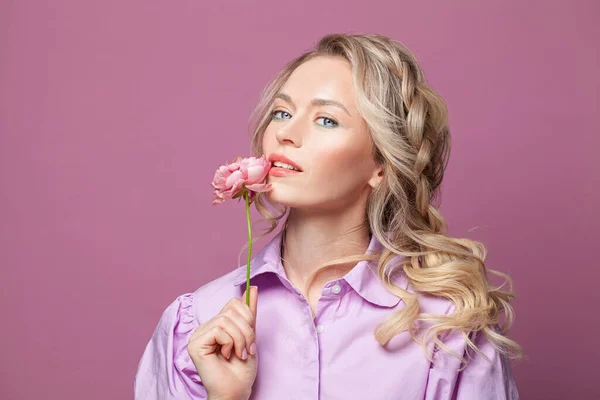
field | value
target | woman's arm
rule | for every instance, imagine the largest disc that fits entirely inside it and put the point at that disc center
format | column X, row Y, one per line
column 166, row 370
column 479, row 380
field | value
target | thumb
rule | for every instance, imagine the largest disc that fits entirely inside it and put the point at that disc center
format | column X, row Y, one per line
column 254, row 299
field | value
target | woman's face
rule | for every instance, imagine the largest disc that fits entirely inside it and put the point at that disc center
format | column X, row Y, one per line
column 315, row 124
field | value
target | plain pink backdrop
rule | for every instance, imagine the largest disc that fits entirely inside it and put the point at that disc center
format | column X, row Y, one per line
column 115, row 114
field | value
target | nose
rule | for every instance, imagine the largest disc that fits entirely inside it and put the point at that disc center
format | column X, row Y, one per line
column 290, row 132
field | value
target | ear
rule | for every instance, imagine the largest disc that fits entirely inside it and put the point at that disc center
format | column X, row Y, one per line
column 376, row 177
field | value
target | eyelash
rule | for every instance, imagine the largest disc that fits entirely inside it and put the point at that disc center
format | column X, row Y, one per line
column 335, row 123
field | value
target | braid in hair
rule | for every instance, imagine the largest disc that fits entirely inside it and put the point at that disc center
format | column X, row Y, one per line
column 408, row 125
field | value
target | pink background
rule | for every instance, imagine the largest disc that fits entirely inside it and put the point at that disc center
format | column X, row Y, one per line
column 115, row 114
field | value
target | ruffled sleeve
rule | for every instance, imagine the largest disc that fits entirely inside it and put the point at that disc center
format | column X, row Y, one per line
column 166, row 370
column 480, row 379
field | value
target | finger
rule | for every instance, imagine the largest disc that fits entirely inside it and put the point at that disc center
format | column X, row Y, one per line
column 244, row 295
column 228, row 325
column 244, row 325
column 254, row 301
column 225, row 340
column 209, row 340
column 240, row 307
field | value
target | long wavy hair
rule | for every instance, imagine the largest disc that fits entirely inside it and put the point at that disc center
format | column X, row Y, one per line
column 408, row 125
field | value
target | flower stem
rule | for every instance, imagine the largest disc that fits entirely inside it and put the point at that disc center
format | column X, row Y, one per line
column 249, row 248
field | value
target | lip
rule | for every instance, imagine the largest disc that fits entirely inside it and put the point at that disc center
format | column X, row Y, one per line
column 277, row 171
column 280, row 157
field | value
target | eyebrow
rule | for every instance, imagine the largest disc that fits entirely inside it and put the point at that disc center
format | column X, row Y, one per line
column 314, row 102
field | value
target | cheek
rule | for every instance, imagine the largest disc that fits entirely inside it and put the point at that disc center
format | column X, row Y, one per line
column 268, row 141
column 338, row 160
column 338, row 173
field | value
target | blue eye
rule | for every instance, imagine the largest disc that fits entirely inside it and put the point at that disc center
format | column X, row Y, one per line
column 274, row 114
column 328, row 122
column 280, row 114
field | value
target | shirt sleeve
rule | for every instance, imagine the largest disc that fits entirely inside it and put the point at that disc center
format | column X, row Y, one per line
column 166, row 370
column 479, row 380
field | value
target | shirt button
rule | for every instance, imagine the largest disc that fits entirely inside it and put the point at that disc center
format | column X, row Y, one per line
column 336, row 289
column 320, row 328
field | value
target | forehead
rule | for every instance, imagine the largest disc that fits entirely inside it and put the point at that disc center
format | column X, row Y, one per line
column 322, row 77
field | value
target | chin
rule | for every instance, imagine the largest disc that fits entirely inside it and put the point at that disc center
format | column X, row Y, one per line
column 281, row 198
column 285, row 198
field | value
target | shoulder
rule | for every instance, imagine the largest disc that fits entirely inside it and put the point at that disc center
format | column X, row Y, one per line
column 167, row 349
column 430, row 304
column 203, row 303
column 210, row 298
column 487, row 373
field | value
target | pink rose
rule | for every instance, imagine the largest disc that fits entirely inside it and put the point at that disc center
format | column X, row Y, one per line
column 233, row 179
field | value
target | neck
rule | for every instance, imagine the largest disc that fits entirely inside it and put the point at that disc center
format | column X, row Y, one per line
column 311, row 239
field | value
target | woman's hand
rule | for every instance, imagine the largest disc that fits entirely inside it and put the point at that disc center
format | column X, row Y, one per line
column 218, row 348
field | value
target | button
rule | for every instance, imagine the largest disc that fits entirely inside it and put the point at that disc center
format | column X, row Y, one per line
column 320, row 328
column 336, row 289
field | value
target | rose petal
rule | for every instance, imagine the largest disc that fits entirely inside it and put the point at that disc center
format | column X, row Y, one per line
column 233, row 167
column 234, row 177
column 256, row 173
column 237, row 186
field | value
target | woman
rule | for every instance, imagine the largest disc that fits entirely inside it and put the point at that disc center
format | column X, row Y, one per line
column 363, row 294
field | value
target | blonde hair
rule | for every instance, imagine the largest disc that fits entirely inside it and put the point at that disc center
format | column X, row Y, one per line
column 408, row 123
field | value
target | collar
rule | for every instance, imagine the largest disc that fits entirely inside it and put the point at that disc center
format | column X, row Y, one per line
column 362, row 277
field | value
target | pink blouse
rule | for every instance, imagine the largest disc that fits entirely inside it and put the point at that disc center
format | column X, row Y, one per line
column 335, row 356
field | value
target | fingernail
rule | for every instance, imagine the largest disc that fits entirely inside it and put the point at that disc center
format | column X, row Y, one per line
column 253, row 348
column 244, row 354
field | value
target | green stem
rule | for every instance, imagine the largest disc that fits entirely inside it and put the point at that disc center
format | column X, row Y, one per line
column 249, row 248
